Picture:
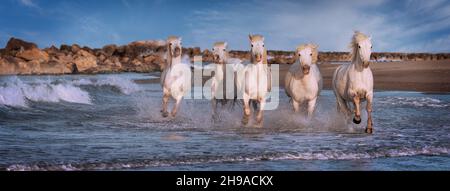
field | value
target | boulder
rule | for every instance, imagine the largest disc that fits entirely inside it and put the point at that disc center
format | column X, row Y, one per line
column 15, row 44
column 109, row 49
column 84, row 61
column 33, row 55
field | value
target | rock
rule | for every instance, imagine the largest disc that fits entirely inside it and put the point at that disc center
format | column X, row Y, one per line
column 51, row 50
column 33, row 55
column 7, row 67
column 75, row 48
column 109, row 49
column 15, row 44
column 84, row 61
column 65, row 47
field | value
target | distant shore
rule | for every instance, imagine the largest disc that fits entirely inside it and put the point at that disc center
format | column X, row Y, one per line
column 421, row 76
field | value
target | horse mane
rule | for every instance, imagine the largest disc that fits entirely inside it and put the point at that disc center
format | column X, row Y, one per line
column 169, row 53
column 357, row 37
column 314, row 50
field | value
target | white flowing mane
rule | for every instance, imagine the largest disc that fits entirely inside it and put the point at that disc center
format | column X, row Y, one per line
column 357, row 37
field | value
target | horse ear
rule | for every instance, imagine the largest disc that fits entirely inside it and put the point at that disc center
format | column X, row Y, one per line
column 262, row 38
column 181, row 38
column 315, row 46
column 250, row 37
column 225, row 44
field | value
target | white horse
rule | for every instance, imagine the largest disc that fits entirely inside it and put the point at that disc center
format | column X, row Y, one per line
column 221, row 89
column 303, row 82
column 218, row 83
column 176, row 76
column 255, row 80
column 354, row 82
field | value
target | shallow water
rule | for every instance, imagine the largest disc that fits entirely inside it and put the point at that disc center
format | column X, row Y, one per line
column 108, row 122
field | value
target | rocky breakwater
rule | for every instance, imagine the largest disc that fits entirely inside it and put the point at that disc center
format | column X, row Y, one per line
column 24, row 58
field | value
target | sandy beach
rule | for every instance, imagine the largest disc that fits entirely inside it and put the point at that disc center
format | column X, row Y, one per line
column 423, row 76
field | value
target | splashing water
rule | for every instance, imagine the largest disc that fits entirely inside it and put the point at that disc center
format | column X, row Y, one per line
column 109, row 122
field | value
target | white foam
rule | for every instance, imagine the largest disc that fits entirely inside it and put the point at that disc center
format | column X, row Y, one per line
column 125, row 85
column 14, row 92
column 323, row 155
column 414, row 101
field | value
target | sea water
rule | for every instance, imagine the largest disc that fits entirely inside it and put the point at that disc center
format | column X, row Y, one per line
column 109, row 122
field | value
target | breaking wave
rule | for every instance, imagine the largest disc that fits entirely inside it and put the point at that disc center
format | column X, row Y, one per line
column 16, row 92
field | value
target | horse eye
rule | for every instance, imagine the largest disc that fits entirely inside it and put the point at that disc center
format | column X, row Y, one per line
column 310, row 54
column 263, row 45
column 252, row 45
column 370, row 47
column 213, row 49
column 299, row 55
column 170, row 44
column 359, row 46
column 224, row 49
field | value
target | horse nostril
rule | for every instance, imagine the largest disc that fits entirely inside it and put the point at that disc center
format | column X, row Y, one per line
column 306, row 69
column 177, row 50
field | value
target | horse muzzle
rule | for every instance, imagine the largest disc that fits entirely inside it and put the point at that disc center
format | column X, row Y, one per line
column 306, row 69
column 258, row 57
column 366, row 64
column 177, row 52
column 216, row 58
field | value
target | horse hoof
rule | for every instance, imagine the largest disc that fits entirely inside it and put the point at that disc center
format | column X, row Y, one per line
column 356, row 121
column 244, row 121
column 165, row 114
column 369, row 130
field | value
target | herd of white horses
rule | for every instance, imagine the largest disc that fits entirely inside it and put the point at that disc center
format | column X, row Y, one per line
column 352, row 83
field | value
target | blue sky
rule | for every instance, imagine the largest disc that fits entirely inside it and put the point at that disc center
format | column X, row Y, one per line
column 404, row 26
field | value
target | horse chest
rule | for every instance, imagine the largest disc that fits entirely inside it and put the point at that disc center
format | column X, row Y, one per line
column 305, row 89
column 256, row 82
column 360, row 84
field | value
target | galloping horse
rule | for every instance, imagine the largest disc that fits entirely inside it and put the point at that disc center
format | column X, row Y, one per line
column 303, row 82
column 353, row 83
column 255, row 82
column 176, row 76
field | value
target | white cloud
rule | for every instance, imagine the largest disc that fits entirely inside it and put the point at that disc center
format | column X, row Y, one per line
column 28, row 3
column 329, row 24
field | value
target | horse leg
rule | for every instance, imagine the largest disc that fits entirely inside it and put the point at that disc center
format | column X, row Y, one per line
column 214, row 108
column 213, row 100
column 342, row 106
column 260, row 115
column 176, row 106
column 247, row 110
column 357, row 118
column 165, row 101
column 369, row 128
column 311, row 107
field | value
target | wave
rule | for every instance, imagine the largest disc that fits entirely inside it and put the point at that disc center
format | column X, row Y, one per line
column 126, row 86
column 414, row 101
column 327, row 155
column 15, row 92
